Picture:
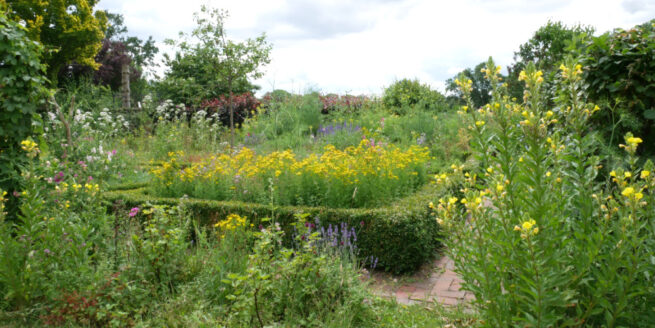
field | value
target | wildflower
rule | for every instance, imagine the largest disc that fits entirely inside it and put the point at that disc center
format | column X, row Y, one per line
column 479, row 123
column 613, row 173
column 627, row 192
column 133, row 212
column 645, row 174
column 527, row 225
column 627, row 174
column 639, row 195
column 634, row 141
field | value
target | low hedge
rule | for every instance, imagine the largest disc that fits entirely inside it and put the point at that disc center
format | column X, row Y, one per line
column 402, row 235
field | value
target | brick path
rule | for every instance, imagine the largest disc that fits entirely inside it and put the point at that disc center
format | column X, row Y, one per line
column 440, row 284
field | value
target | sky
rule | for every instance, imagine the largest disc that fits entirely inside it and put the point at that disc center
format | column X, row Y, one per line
column 362, row 46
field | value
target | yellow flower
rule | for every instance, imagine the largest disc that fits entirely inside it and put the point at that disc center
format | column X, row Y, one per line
column 634, row 141
column 499, row 188
column 479, row 123
column 527, row 225
column 639, row 196
column 548, row 173
column 613, row 173
column 627, row 174
column 645, row 174
column 627, row 192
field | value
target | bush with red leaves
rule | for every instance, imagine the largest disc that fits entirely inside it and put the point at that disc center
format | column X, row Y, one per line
column 92, row 308
column 347, row 103
column 245, row 105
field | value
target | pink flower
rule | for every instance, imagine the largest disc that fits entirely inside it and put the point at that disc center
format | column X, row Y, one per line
column 133, row 212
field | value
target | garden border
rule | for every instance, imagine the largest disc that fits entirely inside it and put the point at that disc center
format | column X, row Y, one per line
column 402, row 235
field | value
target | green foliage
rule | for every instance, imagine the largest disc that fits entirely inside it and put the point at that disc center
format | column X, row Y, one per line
column 406, row 93
column 481, row 88
column 538, row 239
column 161, row 249
column 50, row 247
column 209, row 65
column 22, row 79
column 619, row 71
column 297, row 286
column 547, row 48
column 401, row 235
column 69, row 30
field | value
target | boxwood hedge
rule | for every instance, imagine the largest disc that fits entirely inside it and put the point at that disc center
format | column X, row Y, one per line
column 401, row 235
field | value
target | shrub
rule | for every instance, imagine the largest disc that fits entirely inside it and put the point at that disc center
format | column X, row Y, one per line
column 345, row 103
column 245, row 105
column 619, row 71
column 297, row 286
column 535, row 236
column 22, row 79
column 401, row 235
column 406, row 93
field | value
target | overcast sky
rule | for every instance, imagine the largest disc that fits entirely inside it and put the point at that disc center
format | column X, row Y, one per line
column 362, row 46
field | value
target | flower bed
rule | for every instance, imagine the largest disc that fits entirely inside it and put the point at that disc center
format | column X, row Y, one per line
column 363, row 176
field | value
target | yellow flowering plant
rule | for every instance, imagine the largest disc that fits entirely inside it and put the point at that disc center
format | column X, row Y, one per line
column 538, row 237
column 359, row 176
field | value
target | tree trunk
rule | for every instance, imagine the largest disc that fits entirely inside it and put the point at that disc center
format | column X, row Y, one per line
column 229, row 103
column 125, row 86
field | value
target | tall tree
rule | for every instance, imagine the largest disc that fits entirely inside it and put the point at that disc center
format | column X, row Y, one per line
column 480, row 88
column 70, row 30
column 223, row 63
column 547, row 48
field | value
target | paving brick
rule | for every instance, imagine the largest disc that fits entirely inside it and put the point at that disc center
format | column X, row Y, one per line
column 449, row 293
column 447, row 300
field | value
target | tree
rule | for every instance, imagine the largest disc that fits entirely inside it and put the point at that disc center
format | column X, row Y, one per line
column 547, row 48
column 620, row 72
column 117, row 50
column 224, row 62
column 69, row 30
column 21, row 91
column 480, row 89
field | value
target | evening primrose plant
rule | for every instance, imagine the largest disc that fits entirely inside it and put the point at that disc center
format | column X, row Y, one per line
column 537, row 235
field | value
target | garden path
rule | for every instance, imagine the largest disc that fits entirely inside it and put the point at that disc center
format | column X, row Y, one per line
column 436, row 282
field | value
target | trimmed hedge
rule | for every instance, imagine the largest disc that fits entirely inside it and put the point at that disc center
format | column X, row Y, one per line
column 403, row 235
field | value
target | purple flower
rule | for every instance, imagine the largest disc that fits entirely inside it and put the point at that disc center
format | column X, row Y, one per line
column 361, row 223
column 133, row 212
column 90, row 178
column 47, row 251
column 59, row 177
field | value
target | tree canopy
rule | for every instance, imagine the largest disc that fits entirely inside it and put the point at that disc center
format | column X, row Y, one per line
column 71, row 31
column 207, row 64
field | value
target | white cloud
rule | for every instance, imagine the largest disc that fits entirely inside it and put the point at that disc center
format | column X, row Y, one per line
column 362, row 46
